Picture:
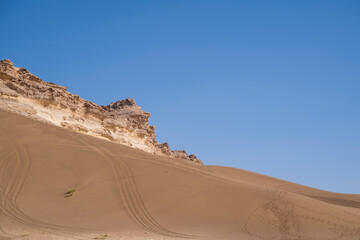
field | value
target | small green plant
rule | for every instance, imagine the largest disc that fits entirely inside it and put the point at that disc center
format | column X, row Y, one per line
column 102, row 236
column 70, row 192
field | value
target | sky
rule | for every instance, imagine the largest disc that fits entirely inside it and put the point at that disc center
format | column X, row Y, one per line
column 272, row 87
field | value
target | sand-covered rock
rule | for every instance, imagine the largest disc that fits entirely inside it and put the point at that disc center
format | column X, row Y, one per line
column 122, row 121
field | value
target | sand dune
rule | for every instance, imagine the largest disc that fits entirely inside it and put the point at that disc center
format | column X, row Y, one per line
column 129, row 194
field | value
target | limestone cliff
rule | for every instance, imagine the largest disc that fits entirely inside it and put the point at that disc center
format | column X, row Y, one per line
column 122, row 121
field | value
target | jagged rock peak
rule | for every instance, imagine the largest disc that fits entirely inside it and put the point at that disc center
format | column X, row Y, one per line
column 122, row 121
column 7, row 62
column 122, row 104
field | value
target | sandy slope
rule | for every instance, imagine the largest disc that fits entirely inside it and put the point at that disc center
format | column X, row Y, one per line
column 129, row 194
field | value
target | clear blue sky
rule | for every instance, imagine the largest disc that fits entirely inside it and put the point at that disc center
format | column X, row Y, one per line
column 268, row 86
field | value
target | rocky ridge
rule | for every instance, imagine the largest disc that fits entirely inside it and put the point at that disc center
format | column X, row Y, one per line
column 121, row 121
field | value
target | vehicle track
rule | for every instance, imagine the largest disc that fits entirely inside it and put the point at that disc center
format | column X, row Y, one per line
column 280, row 212
column 339, row 209
column 130, row 195
column 11, row 189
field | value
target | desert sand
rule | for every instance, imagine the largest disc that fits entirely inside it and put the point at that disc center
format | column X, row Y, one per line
column 125, row 193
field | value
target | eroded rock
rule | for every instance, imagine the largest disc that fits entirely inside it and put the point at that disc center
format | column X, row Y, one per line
column 121, row 121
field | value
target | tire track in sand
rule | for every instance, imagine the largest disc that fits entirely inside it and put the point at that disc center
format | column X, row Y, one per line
column 129, row 193
column 11, row 188
column 281, row 213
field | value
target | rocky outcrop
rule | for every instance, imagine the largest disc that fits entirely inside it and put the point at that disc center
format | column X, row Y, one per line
column 122, row 121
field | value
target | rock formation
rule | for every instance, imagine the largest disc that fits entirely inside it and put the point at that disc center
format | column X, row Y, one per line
column 122, row 121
